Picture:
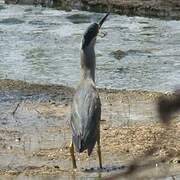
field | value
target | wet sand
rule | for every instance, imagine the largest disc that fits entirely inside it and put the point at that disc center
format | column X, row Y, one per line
column 35, row 133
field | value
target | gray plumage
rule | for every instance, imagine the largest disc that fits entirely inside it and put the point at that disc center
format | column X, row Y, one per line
column 85, row 116
column 86, row 105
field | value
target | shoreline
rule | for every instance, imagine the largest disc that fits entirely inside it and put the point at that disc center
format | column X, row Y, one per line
column 10, row 84
column 121, row 107
column 151, row 8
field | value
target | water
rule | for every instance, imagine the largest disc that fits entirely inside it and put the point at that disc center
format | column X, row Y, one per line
column 42, row 45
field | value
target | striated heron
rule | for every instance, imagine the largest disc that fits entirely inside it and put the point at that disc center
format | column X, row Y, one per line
column 86, row 105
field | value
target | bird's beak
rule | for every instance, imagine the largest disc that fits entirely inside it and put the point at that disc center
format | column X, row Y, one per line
column 103, row 19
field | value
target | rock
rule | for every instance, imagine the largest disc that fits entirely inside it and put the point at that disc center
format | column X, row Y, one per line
column 118, row 54
column 11, row 1
column 169, row 9
column 150, row 8
column 63, row 4
column 2, row 7
column 79, row 18
column 31, row 2
column 11, row 21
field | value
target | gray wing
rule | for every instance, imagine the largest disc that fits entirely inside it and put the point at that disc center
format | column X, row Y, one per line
column 85, row 118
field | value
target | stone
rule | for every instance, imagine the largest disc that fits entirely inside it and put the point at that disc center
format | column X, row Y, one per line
column 118, row 54
column 30, row 2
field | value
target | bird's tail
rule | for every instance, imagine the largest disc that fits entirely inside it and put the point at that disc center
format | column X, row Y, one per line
column 81, row 145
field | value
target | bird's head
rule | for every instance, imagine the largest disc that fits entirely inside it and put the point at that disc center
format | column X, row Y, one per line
column 89, row 37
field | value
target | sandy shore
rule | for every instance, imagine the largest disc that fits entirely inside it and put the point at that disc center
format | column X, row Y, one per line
column 35, row 133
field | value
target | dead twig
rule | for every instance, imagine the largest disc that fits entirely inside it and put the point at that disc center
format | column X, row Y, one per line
column 16, row 108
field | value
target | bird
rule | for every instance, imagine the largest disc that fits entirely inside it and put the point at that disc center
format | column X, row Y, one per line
column 86, row 104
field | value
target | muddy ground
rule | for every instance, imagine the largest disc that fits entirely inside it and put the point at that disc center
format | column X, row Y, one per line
column 35, row 134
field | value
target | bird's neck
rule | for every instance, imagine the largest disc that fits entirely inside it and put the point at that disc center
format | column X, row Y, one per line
column 88, row 63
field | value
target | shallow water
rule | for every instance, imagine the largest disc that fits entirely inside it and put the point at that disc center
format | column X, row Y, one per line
column 42, row 45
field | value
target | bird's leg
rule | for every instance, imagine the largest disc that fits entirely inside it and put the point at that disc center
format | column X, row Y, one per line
column 99, row 150
column 72, row 155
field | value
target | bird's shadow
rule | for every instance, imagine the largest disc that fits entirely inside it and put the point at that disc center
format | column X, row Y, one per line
column 105, row 169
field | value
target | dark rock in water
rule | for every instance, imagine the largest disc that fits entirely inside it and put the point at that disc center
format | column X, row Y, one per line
column 44, row 3
column 2, row 7
column 41, row 23
column 121, row 70
column 118, row 54
column 29, row 2
column 11, row 21
column 139, row 52
column 151, row 8
column 79, row 18
column 11, row 1
column 63, row 4
column 67, row 5
column 28, row 10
